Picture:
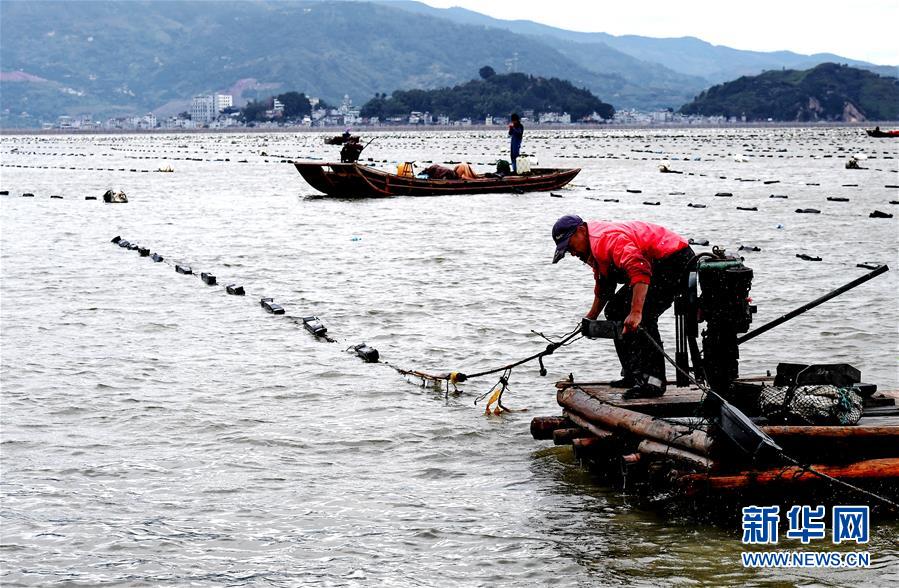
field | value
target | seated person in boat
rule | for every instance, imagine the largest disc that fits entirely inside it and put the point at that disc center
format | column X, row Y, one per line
column 651, row 263
column 350, row 151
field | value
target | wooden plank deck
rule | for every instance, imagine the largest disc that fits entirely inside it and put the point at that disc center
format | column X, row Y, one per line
column 685, row 401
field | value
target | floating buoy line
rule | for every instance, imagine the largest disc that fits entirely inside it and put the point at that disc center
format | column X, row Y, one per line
column 449, row 380
column 315, row 327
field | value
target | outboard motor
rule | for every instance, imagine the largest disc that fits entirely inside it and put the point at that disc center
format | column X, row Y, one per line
column 725, row 307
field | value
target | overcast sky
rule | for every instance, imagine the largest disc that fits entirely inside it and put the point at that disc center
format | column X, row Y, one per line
column 858, row 29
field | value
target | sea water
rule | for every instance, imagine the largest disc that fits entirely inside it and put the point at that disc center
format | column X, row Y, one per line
column 157, row 431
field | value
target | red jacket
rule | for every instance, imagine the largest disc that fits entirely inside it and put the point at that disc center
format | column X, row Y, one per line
column 631, row 247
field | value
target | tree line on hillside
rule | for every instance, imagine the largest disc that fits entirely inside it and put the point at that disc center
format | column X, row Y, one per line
column 828, row 91
column 493, row 94
column 296, row 106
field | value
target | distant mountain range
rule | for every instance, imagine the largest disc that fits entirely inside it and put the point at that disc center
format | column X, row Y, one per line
column 117, row 58
column 829, row 92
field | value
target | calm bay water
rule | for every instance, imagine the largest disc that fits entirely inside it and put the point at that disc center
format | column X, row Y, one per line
column 156, row 431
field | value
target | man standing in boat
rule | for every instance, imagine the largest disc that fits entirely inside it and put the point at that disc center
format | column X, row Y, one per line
column 516, row 132
column 651, row 262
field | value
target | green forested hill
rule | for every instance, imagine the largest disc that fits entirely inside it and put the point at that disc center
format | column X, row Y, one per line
column 496, row 95
column 116, row 57
column 827, row 92
column 106, row 57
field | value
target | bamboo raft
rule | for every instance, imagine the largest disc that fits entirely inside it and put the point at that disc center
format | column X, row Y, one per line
column 663, row 449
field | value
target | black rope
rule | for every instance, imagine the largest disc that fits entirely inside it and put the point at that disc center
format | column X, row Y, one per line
column 550, row 349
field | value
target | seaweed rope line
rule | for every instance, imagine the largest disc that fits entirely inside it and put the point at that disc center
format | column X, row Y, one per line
column 780, row 452
column 496, row 392
column 295, row 320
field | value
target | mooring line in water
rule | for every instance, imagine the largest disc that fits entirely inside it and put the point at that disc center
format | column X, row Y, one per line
column 315, row 327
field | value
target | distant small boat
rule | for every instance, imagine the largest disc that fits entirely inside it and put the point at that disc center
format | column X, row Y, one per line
column 352, row 180
column 339, row 139
column 882, row 134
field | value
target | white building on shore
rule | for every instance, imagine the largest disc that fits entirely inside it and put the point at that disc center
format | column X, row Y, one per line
column 205, row 108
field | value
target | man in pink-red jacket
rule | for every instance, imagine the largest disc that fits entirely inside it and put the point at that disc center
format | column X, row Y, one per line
column 651, row 261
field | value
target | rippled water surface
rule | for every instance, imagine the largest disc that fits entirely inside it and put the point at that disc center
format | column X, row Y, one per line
column 156, row 431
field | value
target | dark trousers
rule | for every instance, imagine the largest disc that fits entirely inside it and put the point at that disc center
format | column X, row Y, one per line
column 516, row 149
column 639, row 358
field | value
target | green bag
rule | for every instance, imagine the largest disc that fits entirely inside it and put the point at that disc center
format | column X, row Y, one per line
column 503, row 168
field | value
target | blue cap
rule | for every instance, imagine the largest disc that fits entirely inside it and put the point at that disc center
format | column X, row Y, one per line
column 563, row 230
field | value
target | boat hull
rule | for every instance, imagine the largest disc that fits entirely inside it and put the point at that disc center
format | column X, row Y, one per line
column 351, row 180
column 882, row 134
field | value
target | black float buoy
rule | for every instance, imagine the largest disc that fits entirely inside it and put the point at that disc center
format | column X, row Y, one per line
column 837, row 199
column 778, row 196
column 314, row 326
column 749, row 248
column 143, row 251
column 747, row 208
column 691, row 205
column 183, row 269
column 880, row 214
column 807, row 257
column 368, row 354
column 116, row 239
column 808, row 211
column 157, row 258
column 208, row 279
column 269, row 305
column 234, row 290
column 723, row 194
column 699, row 241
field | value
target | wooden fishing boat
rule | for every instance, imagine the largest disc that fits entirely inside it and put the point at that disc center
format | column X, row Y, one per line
column 882, row 134
column 353, row 180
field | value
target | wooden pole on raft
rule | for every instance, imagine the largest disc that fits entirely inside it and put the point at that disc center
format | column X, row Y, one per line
column 565, row 436
column 635, row 423
column 656, row 450
column 888, row 434
column 585, row 424
column 542, row 427
column 872, row 469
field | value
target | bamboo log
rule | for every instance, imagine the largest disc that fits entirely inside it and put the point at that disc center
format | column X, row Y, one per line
column 872, row 469
column 565, row 436
column 588, row 443
column 886, row 433
column 588, row 426
column 542, row 427
column 621, row 419
column 590, row 448
column 654, row 449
